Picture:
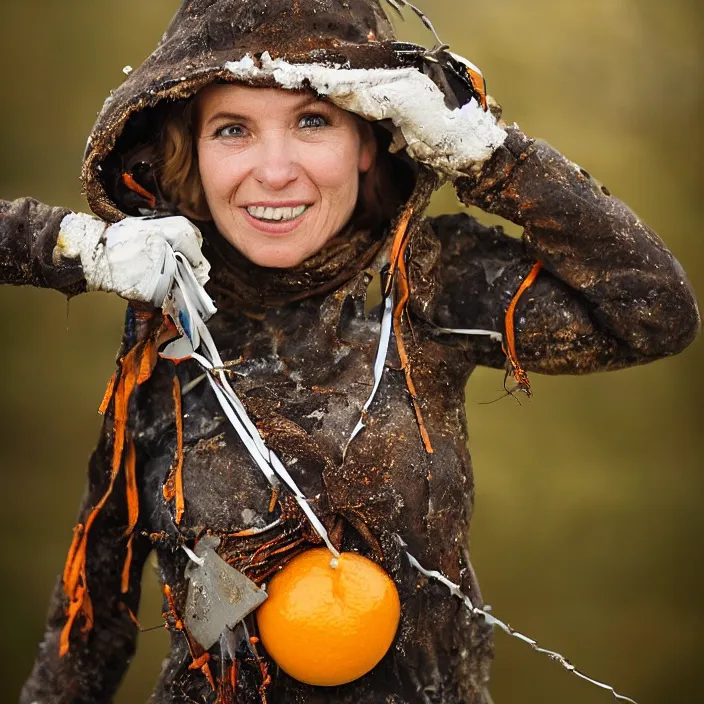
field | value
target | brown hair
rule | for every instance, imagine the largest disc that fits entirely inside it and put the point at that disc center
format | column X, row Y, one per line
column 179, row 177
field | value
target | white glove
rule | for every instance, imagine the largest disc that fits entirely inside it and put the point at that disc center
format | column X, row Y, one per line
column 449, row 141
column 134, row 257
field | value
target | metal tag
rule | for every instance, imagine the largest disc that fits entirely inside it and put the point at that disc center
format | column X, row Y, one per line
column 218, row 595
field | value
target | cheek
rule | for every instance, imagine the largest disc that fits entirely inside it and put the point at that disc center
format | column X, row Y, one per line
column 219, row 173
column 333, row 166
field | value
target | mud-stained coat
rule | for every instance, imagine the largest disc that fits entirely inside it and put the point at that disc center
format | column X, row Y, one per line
column 610, row 295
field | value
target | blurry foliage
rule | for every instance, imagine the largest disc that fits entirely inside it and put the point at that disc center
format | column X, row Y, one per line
column 588, row 523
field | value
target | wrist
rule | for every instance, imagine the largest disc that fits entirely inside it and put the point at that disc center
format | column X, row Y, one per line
column 487, row 189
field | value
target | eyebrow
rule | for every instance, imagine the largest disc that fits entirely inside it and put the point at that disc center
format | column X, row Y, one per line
column 229, row 115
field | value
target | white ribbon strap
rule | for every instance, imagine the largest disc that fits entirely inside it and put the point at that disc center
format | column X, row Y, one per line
column 189, row 307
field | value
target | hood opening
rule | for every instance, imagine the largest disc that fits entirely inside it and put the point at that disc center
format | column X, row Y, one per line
column 135, row 159
column 407, row 91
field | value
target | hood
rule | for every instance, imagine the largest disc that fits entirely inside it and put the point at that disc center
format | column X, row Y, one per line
column 345, row 50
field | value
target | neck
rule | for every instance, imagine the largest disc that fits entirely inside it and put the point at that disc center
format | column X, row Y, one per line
column 238, row 284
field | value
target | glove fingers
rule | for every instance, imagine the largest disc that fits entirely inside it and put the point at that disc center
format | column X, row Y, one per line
column 185, row 237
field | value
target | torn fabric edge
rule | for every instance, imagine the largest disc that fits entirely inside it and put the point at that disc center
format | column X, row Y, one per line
column 452, row 142
column 493, row 621
column 379, row 364
column 190, row 306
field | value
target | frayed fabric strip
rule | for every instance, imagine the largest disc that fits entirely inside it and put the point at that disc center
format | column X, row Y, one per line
column 452, row 142
column 493, row 621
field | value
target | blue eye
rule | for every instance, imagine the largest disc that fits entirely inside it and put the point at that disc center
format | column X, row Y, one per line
column 231, row 131
column 312, row 121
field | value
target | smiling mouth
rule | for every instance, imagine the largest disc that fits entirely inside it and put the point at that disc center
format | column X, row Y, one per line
column 268, row 214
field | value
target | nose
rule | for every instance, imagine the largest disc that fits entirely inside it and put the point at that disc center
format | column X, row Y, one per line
column 277, row 165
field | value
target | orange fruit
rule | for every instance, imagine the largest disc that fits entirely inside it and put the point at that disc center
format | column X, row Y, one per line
column 327, row 625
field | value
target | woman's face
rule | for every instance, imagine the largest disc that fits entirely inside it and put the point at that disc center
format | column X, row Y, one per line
column 280, row 169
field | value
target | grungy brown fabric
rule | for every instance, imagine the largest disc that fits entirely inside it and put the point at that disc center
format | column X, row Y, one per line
column 610, row 295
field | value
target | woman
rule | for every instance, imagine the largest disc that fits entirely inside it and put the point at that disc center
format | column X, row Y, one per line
column 292, row 324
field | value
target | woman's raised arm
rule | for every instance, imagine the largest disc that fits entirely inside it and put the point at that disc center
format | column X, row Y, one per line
column 28, row 233
column 610, row 293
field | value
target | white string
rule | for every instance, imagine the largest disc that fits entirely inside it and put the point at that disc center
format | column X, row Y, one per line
column 491, row 334
column 379, row 364
column 493, row 621
column 198, row 560
column 189, row 307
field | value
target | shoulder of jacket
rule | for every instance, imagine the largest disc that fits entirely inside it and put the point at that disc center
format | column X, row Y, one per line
column 452, row 224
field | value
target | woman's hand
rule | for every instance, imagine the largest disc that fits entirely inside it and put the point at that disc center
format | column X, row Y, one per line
column 454, row 142
column 134, row 257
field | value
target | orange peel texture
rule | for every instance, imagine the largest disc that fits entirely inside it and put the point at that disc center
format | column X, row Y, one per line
column 327, row 625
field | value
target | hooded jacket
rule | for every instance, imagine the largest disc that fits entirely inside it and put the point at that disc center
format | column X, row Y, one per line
column 301, row 347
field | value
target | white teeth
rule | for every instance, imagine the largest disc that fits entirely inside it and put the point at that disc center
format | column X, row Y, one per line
column 262, row 213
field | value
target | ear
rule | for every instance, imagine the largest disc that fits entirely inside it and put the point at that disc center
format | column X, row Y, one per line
column 367, row 146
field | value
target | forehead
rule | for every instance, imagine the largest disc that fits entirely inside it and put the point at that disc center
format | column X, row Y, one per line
column 246, row 100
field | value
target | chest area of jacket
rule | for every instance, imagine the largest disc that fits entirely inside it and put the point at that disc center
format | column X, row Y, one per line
column 304, row 384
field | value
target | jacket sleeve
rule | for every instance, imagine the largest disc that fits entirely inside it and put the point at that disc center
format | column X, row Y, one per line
column 610, row 293
column 28, row 233
column 101, row 645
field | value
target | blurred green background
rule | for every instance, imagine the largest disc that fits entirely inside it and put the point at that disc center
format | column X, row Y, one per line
column 588, row 527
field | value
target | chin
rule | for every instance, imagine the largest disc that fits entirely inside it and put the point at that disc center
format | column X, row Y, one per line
column 277, row 260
